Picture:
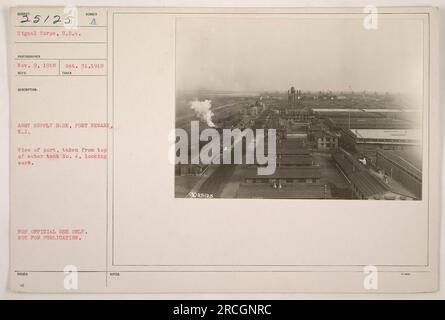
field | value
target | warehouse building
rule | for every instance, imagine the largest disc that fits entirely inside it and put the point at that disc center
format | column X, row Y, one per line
column 286, row 191
column 365, row 183
column 366, row 187
column 299, row 160
column 403, row 166
column 347, row 163
column 292, row 147
column 284, row 175
column 296, row 114
column 368, row 123
column 325, row 140
column 369, row 140
column 341, row 113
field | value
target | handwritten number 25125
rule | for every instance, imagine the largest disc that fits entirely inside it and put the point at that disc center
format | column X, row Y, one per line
column 26, row 18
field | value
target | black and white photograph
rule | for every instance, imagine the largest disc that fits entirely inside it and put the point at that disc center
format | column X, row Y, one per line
column 221, row 151
column 333, row 108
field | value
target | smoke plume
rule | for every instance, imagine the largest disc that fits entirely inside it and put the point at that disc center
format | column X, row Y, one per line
column 202, row 110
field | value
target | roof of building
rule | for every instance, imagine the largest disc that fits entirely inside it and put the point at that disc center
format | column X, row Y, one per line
column 336, row 110
column 371, row 187
column 368, row 184
column 370, row 123
column 295, row 135
column 370, row 110
column 408, row 159
column 387, row 134
column 197, row 165
column 301, row 159
column 292, row 146
column 346, row 113
column 287, row 191
column 292, row 143
column 347, row 162
column 323, row 133
column 309, row 172
column 292, row 150
column 382, row 110
column 296, row 110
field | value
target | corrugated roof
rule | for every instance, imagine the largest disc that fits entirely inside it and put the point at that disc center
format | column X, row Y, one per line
column 387, row 134
column 383, row 110
column 336, row 110
column 292, row 150
column 370, row 123
column 287, row 191
column 323, row 133
column 295, row 159
column 409, row 160
column 287, row 172
column 368, row 184
column 348, row 162
column 292, row 147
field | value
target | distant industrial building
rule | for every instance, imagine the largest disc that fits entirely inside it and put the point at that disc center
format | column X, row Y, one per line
column 293, row 97
column 341, row 112
column 254, row 111
column 321, row 137
column 325, row 140
column 345, row 113
column 297, row 114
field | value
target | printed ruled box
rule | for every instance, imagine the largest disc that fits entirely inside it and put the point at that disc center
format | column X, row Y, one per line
column 34, row 34
column 31, row 67
column 83, row 67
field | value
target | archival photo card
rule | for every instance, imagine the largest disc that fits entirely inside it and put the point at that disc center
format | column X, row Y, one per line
column 219, row 150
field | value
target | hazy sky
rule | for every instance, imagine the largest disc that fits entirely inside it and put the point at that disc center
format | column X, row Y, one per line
column 252, row 54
